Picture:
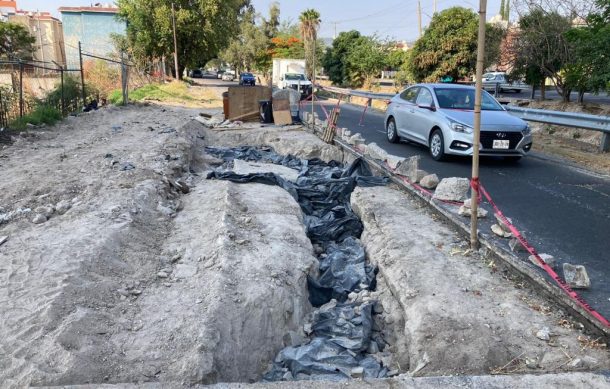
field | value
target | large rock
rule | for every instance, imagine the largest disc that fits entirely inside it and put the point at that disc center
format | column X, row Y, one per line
column 576, row 276
column 502, row 224
column 498, row 230
column 452, row 189
column 429, row 182
column 409, row 168
column 376, row 152
column 393, row 160
column 549, row 259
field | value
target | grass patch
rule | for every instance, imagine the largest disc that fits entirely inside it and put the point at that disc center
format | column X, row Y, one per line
column 43, row 114
column 175, row 91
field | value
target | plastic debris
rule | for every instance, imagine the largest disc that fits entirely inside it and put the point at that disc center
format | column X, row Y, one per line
column 341, row 331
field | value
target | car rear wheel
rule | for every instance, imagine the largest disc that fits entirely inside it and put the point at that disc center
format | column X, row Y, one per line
column 437, row 145
column 391, row 131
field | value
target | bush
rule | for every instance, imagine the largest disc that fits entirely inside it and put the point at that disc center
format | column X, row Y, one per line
column 43, row 114
column 72, row 95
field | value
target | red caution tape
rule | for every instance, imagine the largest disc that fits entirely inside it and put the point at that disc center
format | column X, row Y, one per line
column 560, row 281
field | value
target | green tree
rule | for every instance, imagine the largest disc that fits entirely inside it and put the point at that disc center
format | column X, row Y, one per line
column 15, row 41
column 335, row 57
column 365, row 59
column 542, row 44
column 449, row 46
column 309, row 24
column 249, row 48
column 590, row 69
column 203, row 28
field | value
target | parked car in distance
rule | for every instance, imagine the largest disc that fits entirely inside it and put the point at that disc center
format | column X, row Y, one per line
column 247, row 79
column 441, row 117
column 219, row 74
column 196, row 73
column 228, row 76
column 501, row 79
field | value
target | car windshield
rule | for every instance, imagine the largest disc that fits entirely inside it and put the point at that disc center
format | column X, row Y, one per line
column 294, row 76
column 463, row 98
column 247, row 75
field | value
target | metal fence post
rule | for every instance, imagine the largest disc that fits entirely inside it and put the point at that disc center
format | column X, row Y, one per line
column 20, row 89
column 82, row 74
column 63, row 102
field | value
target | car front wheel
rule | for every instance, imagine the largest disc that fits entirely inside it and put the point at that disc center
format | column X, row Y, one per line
column 437, row 145
column 391, row 131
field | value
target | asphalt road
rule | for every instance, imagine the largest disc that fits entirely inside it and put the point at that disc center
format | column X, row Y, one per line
column 562, row 210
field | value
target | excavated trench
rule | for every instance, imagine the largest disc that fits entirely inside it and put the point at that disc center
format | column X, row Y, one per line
column 343, row 338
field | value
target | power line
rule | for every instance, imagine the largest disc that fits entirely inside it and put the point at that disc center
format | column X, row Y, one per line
column 382, row 12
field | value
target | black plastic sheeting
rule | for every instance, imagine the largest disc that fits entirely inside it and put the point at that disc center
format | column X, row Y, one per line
column 342, row 331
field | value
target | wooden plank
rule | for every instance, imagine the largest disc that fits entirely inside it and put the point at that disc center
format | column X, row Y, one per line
column 281, row 112
column 244, row 99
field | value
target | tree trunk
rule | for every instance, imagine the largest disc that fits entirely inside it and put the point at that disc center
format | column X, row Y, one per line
column 543, row 90
column 533, row 94
column 565, row 95
column 581, row 96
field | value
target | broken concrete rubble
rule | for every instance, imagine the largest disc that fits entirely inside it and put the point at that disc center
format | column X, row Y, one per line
column 429, row 182
column 576, row 276
column 547, row 258
column 409, row 168
column 452, row 189
column 496, row 229
column 393, row 160
column 376, row 152
column 411, row 252
column 467, row 211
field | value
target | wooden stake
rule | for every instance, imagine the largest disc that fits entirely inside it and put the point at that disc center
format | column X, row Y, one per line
column 474, row 241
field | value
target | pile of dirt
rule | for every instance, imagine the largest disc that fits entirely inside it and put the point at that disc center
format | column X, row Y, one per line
column 141, row 270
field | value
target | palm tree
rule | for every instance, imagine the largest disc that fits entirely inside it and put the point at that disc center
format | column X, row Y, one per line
column 310, row 22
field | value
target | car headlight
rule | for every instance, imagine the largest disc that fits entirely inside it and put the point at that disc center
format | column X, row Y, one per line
column 460, row 127
column 527, row 130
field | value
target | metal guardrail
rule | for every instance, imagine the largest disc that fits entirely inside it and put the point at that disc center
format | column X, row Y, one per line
column 568, row 119
column 558, row 118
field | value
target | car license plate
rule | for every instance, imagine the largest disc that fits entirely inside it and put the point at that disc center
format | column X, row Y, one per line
column 501, row 144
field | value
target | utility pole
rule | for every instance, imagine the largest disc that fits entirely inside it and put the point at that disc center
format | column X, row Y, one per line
column 82, row 74
column 335, row 37
column 434, row 10
column 20, row 88
column 474, row 241
column 175, row 42
column 419, row 16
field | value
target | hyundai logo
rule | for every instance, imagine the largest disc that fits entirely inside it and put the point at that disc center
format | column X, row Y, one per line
column 501, row 134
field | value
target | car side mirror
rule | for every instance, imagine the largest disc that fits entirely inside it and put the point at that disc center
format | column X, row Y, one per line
column 281, row 78
column 428, row 107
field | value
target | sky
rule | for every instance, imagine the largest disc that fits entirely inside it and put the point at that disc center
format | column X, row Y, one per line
column 387, row 18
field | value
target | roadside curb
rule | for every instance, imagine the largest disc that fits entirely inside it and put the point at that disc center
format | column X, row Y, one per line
column 514, row 263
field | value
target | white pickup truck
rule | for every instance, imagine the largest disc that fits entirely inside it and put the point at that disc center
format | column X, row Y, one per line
column 490, row 80
column 290, row 73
